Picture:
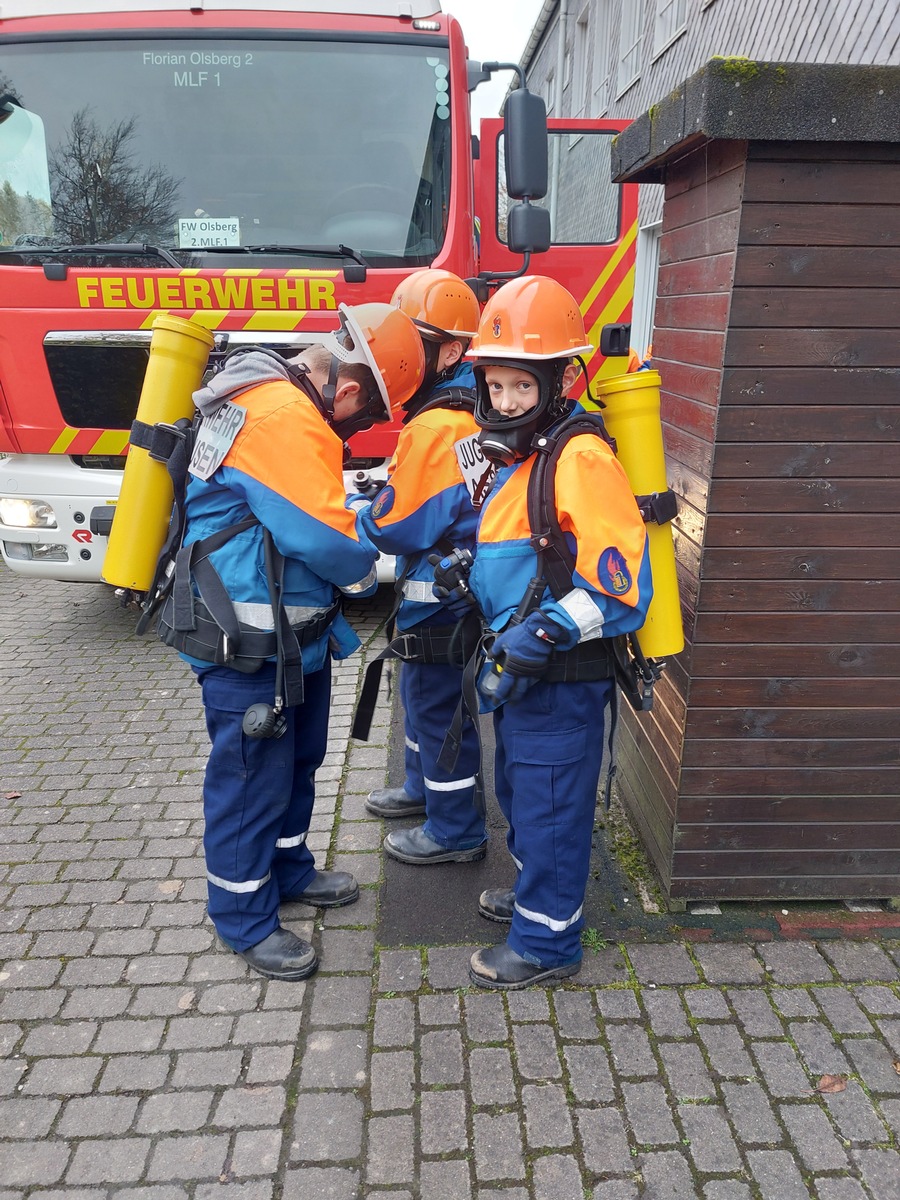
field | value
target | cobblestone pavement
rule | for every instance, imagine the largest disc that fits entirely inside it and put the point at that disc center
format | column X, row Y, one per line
column 138, row 1061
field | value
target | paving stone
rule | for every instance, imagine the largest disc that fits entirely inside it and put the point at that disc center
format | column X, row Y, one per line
column 441, row 1060
column 202, row 1068
column 312, row 1183
column 725, row 1049
column 532, row 1004
column 794, row 962
column 604, row 1141
column 726, row 1189
column 257, row 1152
column 389, row 1157
column 667, row 1176
column 491, row 1076
column 129, row 1037
column 575, row 1014
column 109, row 1160
column 630, row 1049
column 794, row 1002
column 662, row 964
column 708, row 1003
column 340, row 1000
column 615, row 1189
column 755, row 1012
column 442, row 1117
column 96, row 1116
column 817, row 1048
column 860, row 961
column 556, row 1175
column 194, row 1157
column 537, row 1055
column 29, row 1164
column 392, row 1080
column 751, row 1114
column 842, row 1188
column 874, row 1064
column 21, row 1118
column 195, row 1033
column 334, row 1058
column 666, row 1013
column 547, row 1120
column 781, row 1069
column 71, row 1038
column 439, row 1010
column 498, row 1147
column 841, row 1010
column 686, row 1070
column 880, row 1170
column 255, row 1028
column 328, row 1127
column 854, row 1115
column 173, row 1113
column 878, row 1000
column 647, row 1109
column 449, row 968
column 394, row 1023
column 449, row 1180
column 711, row 1145
column 728, row 963
column 601, row 967
column 135, row 1073
column 62, row 1076
column 485, row 1018
column 615, row 1003
column 812, row 1135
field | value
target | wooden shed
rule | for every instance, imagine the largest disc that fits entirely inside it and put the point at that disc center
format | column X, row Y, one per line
column 771, row 766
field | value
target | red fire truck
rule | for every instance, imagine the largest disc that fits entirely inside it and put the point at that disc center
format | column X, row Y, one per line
column 248, row 169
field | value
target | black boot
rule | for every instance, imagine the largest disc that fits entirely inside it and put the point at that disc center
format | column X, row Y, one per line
column 497, row 904
column 502, row 968
column 329, row 889
column 393, row 802
column 282, row 955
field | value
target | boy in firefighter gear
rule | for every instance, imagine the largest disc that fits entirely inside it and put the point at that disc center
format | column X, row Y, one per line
column 436, row 479
column 549, row 677
column 276, row 478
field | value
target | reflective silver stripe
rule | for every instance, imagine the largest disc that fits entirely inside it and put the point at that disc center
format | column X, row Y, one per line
column 352, row 588
column 516, row 861
column 259, row 616
column 584, row 612
column 284, row 843
column 543, row 919
column 251, row 885
column 420, row 591
column 411, row 745
column 452, row 785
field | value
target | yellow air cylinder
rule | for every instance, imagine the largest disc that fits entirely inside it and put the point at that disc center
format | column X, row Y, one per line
column 179, row 351
column 632, row 417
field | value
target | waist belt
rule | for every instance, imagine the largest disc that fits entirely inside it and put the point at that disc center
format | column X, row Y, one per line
column 255, row 646
column 587, row 661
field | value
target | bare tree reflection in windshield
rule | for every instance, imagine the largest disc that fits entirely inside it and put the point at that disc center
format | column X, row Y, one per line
column 99, row 195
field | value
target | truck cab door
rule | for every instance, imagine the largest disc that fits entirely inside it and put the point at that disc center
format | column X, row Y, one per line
column 593, row 223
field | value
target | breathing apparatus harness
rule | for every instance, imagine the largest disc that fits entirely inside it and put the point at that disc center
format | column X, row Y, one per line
column 207, row 627
column 451, row 645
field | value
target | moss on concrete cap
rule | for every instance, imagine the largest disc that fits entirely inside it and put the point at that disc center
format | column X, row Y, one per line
column 738, row 99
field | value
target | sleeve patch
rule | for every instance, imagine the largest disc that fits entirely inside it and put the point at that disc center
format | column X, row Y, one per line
column 613, row 573
column 383, row 502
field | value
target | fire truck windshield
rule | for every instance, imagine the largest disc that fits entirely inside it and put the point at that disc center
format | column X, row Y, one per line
column 197, row 145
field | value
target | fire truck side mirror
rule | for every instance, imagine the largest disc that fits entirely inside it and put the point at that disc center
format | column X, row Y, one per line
column 525, row 138
column 528, row 229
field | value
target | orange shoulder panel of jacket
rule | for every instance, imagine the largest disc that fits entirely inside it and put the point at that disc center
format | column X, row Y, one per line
column 424, row 464
column 505, row 514
column 286, row 445
column 595, row 503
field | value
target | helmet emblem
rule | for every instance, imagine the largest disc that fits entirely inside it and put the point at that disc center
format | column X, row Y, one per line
column 497, row 328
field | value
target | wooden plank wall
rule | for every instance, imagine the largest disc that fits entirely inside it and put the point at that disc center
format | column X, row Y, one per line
column 697, row 255
column 790, row 782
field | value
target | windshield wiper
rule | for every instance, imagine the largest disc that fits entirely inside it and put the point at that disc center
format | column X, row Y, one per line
column 338, row 251
column 114, row 249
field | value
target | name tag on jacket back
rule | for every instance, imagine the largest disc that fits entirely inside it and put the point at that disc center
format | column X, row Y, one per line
column 215, row 439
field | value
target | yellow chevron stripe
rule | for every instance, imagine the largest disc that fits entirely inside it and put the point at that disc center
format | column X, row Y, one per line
column 618, row 254
column 111, row 441
column 208, row 318
column 64, row 441
column 614, row 307
column 272, row 320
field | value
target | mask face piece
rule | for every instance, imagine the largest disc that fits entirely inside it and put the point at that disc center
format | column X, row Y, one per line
column 506, row 440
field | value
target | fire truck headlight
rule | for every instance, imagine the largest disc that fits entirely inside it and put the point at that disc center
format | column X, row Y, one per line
column 26, row 514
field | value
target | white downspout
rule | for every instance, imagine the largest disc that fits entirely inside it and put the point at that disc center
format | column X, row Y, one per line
column 561, row 23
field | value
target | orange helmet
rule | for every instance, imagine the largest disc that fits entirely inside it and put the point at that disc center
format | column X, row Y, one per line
column 441, row 304
column 386, row 341
column 530, row 317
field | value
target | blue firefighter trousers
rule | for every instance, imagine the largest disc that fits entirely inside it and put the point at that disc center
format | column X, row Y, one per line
column 546, row 771
column 257, row 800
column 430, row 693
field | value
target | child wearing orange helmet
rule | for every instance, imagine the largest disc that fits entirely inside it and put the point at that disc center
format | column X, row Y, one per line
column 551, row 674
